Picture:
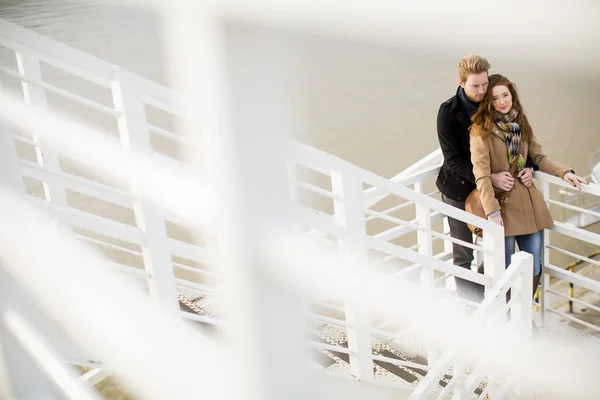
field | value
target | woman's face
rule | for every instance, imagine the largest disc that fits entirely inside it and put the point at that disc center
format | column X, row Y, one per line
column 501, row 99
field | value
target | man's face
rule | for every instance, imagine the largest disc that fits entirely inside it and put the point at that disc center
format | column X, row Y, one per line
column 476, row 86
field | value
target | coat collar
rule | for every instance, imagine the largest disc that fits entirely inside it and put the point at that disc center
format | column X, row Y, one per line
column 455, row 104
column 497, row 131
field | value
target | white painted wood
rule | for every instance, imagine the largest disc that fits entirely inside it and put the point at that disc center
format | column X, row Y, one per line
column 426, row 276
column 494, row 268
column 29, row 66
column 348, row 207
column 521, row 309
column 133, row 131
column 10, row 175
column 94, row 376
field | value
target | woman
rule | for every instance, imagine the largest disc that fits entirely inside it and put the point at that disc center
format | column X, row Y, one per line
column 501, row 134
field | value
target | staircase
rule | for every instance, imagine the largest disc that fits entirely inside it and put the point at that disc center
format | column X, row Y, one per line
column 349, row 224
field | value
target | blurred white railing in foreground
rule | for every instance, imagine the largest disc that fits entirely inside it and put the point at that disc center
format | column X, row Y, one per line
column 143, row 211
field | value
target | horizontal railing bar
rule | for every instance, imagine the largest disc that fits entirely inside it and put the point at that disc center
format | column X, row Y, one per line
column 433, row 193
column 64, row 93
column 402, row 363
column 407, row 270
column 415, row 168
column 128, row 270
column 327, row 305
column 329, row 320
column 314, row 189
column 196, row 291
column 435, row 263
column 161, row 101
column 574, row 255
column 574, row 208
column 313, row 165
column 82, row 185
column 328, row 347
column 571, row 318
column 590, row 188
column 87, row 187
column 415, row 267
column 397, row 231
column 94, row 72
column 381, row 333
column 384, row 260
column 391, row 210
column 428, row 231
column 202, row 318
column 168, row 134
column 189, row 251
column 193, row 285
column 573, row 299
column 195, row 270
column 568, row 276
column 576, row 233
column 428, row 202
column 375, row 192
column 91, row 222
column 109, row 245
column 23, row 139
column 458, row 241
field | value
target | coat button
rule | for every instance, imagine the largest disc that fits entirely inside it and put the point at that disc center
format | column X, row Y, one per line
column 459, row 198
column 462, row 182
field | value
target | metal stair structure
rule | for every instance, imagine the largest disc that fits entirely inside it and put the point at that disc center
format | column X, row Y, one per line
column 149, row 233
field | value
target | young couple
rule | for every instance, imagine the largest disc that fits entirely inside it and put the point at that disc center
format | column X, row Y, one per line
column 481, row 130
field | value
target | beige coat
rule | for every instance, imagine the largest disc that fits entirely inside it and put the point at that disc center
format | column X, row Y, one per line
column 526, row 211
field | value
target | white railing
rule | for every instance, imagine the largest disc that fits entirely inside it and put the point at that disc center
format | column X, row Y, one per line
column 466, row 379
column 405, row 238
column 113, row 217
column 424, row 258
column 560, row 252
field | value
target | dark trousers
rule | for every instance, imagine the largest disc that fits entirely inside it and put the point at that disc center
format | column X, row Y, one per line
column 463, row 256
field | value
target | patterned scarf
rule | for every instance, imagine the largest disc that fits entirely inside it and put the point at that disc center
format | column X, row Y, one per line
column 512, row 134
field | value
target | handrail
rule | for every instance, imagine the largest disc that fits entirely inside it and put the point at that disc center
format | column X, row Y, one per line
column 85, row 65
column 518, row 275
column 591, row 188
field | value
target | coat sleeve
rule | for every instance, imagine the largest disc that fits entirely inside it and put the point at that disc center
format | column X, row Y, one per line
column 480, row 156
column 545, row 164
column 447, row 135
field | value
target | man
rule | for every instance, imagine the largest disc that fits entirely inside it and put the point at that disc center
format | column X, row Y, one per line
column 456, row 180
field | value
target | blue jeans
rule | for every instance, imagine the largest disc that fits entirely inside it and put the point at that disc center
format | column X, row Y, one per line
column 531, row 244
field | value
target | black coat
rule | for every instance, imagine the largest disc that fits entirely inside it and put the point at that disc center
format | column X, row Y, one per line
column 456, row 179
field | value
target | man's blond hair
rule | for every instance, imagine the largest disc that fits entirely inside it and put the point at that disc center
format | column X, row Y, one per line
column 472, row 65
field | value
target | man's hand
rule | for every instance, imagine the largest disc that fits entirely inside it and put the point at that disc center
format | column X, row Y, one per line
column 503, row 181
column 574, row 180
column 526, row 176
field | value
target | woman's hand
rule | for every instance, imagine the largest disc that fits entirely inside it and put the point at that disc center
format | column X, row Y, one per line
column 574, row 180
column 497, row 219
column 526, row 176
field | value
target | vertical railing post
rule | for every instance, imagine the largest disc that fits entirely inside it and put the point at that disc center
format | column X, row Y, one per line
column 10, row 169
column 494, row 267
column 349, row 213
column 423, row 215
column 521, row 308
column 133, row 131
column 29, row 66
column 544, row 301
